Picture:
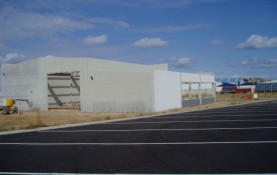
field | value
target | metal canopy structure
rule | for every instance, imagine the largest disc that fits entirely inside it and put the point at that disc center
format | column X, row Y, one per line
column 199, row 80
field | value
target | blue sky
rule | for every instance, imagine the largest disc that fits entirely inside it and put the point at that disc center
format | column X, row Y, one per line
column 233, row 38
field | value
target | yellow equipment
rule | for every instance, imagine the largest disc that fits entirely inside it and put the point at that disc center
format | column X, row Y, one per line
column 8, row 106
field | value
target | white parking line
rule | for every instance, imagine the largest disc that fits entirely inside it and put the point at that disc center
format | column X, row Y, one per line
column 232, row 111
column 26, row 173
column 220, row 115
column 138, row 144
column 146, row 130
column 191, row 121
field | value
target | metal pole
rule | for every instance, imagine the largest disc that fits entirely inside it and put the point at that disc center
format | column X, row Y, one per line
column 214, row 91
column 199, row 89
column 270, row 81
column 190, row 96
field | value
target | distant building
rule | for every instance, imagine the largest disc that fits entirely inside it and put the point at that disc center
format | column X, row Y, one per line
column 243, row 85
column 269, row 86
column 254, row 80
column 235, row 81
column 232, row 88
column 234, row 85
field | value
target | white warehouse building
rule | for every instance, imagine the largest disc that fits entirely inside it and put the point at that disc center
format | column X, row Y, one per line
column 97, row 85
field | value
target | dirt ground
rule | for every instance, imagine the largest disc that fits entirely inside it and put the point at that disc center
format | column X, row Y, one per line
column 53, row 117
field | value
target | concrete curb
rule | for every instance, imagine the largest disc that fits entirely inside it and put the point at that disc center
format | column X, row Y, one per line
column 117, row 120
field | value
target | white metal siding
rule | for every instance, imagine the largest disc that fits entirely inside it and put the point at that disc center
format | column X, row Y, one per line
column 167, row 90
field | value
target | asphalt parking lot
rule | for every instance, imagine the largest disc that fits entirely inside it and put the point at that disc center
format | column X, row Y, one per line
column 238, row 139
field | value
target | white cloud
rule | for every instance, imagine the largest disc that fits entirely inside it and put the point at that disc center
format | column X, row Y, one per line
column 17, row 24
column 258, row 42
column 168, row 29
column 248, row 62
column 12, row 58
column 150, row 42
column 95, row 40
column 217, row 41
column 185, row 62
column 21, row 24
column 49, row 56
column 108, row 21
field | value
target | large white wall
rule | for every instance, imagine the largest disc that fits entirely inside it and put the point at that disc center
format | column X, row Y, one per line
column 105, row 86
column 119, row 91
column 167, row 92
column 60, row 65
column 28, row 80
column 21, row 81
column 91, row 97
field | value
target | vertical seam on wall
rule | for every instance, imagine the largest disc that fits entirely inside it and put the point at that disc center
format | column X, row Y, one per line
column 87, row 82
column 153, row 90
column 42, row 78
column 181, row 98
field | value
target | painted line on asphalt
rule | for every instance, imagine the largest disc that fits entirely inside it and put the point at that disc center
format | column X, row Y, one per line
column 137, row 144
column 23, row 173
column 221, row 115
column 246, row 108
column 31, row 173
column 191, row 121
column 146, row 130
column 233, row 112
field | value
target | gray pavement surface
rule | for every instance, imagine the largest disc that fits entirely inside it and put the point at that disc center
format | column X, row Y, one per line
column 239, row 139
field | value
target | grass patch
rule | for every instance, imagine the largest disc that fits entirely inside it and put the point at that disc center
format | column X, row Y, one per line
column 261, row 95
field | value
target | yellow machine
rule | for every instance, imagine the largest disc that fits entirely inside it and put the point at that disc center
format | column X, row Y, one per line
column 8, row 106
